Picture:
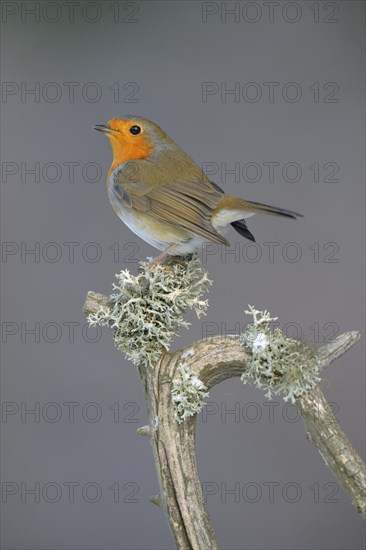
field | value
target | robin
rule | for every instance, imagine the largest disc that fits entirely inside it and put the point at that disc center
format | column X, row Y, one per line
column 163, row 196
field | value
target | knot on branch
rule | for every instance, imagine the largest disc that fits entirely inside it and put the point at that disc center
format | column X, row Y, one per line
column 146, row 310
column 278, row 364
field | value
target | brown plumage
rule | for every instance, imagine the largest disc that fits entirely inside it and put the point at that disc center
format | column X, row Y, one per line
column 158, row 190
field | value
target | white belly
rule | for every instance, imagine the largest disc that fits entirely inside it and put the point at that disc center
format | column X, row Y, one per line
column 159, row 235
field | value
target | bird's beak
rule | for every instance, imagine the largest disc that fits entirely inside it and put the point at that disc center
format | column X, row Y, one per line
column 105, row 129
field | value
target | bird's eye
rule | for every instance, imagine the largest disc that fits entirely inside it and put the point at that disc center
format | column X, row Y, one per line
column 135, row 130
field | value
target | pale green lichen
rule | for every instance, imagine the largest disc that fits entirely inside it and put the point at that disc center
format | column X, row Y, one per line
column 188, row 393
column 147, row 309
column 278, row 364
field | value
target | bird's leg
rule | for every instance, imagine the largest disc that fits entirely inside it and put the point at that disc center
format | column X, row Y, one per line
column 162, row 255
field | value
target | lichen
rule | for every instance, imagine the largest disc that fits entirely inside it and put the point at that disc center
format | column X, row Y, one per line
column 188, row 353
column 188, row 393
column 147, row 309
column 278, row 364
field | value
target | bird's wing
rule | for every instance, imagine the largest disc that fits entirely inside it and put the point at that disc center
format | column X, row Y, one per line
column 187, row 202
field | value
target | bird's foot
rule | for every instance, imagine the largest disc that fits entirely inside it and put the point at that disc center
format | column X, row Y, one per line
column 162, row 256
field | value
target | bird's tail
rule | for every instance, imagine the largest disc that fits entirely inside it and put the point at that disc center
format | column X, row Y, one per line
column 257, row 207
column 231, row 209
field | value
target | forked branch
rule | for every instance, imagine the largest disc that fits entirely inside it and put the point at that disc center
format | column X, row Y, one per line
column 213, row 361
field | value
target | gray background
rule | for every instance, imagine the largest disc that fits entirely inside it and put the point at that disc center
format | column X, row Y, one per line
column 168, row 52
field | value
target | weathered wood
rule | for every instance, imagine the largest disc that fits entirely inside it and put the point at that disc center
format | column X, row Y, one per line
column 214, row 360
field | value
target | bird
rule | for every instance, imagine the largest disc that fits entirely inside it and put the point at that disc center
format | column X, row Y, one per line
column 163, row 195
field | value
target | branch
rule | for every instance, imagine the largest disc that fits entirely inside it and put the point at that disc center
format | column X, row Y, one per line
column 214, row 360
column 324, row 431
column 94, row 301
